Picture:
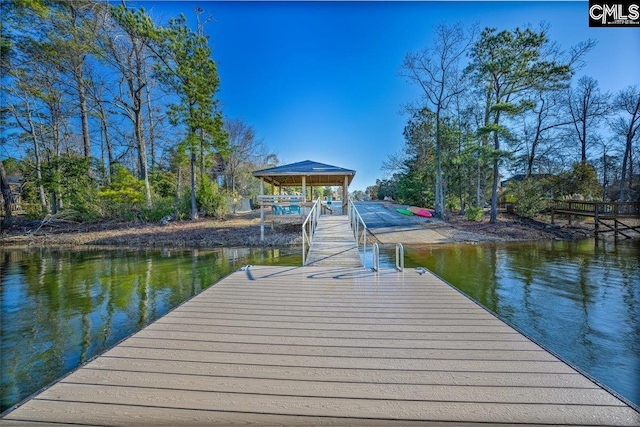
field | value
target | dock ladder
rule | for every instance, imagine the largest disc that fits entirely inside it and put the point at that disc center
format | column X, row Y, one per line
column 399, row 257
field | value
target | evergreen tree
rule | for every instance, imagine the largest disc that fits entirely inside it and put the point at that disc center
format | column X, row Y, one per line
column 189, row 70
column 511, row 64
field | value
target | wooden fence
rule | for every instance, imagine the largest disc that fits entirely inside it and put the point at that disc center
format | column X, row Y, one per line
column 607, row 215
column 593, row 209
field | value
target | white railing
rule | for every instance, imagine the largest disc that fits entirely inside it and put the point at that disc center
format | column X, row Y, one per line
column 376, row 258
column 399, row 257
column 358, row 227
column 309, row 228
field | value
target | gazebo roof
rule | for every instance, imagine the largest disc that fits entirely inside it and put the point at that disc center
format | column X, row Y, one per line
column 315, row 173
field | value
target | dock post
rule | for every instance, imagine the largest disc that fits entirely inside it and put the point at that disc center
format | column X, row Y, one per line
column 615, row 221
column 597, row 221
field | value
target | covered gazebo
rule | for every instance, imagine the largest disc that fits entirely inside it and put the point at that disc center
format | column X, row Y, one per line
column 305, row 174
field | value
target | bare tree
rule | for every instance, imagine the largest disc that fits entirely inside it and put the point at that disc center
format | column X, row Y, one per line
column 151, row 125
column 608, row 165
column 6, row 196
column 97, row 94
column 246, row 152
column 546, row 117
column 70, row 41
column 39, row 105
column 628, row 102
column 128, row 52
column 22, row 112
column 436, row 69
column 587, row 107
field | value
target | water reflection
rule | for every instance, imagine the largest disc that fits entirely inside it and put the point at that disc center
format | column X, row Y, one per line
column 578, row 299
column 60, row 308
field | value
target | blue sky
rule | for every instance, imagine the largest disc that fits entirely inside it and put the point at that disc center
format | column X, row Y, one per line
column 318, row 80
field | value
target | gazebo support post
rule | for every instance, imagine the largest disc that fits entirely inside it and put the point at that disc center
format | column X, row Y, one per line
column 261, row 210
column 345, row 194
column 304, row 194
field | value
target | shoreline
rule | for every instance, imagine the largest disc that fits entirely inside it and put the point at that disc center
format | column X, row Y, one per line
column 243, row 230
column 240, row 230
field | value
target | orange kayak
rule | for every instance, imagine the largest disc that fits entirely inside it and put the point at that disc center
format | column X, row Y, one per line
column 420, row 212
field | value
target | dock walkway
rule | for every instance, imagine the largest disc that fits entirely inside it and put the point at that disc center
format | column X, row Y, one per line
column 334, row 244
column 326, row 346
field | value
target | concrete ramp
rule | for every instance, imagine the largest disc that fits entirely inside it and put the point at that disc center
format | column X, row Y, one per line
column 407, row 235
column 388, row 226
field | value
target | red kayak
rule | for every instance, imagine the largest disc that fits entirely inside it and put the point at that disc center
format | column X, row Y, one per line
column 425, row 213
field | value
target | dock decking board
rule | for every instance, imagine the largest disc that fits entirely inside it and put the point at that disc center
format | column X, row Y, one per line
column 317, row 346
column 333, row 244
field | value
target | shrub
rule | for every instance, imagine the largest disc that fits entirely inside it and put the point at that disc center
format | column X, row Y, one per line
column 33, row 210
column 580, row 182
column 475, row 213
column 124, row 195
column 163, row 183
column 70, row 179
column 453, row 205
column 183, row 209
column 210, row 199
column 161, row 207
column 528, row 196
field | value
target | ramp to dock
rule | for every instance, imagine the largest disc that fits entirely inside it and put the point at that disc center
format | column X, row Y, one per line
column 317, row 346
column 334, row 244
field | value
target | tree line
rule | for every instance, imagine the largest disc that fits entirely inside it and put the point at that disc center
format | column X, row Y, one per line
column 109, row 113
column 510, row 101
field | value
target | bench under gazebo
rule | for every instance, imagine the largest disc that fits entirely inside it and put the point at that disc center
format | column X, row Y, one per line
column 306, row 175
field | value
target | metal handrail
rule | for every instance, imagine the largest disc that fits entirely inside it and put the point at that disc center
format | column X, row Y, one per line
column 399, row 257
column 376, row 257
column 311, row 222
column 355, row 220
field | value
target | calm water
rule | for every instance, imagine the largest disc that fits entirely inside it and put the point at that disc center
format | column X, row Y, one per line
column 58, row 309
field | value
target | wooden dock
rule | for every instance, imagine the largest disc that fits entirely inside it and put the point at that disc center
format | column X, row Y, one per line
column 607, row 215
column 334, row 244
column 326, row 346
